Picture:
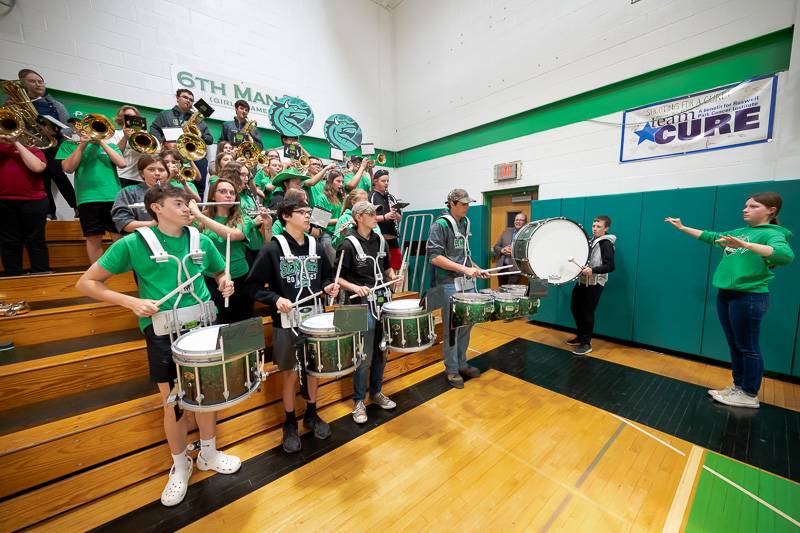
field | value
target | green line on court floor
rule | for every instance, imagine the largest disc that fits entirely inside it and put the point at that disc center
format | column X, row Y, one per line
column 718, row 506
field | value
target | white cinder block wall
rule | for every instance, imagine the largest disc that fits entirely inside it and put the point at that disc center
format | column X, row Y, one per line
column 422, row 69
column 334, row 54
column 465, row 63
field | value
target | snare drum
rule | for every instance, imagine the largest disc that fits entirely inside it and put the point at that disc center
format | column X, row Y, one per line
column 528, row 306
column 543, row 248
column 328, row 353
column 519, row 290
column 407, row 327
column 207, row 381
column 506, row 306
column 470, row 308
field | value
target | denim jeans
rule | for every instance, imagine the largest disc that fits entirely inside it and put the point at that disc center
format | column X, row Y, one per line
column 372, row 365
column 740, row 315
column 455, row 357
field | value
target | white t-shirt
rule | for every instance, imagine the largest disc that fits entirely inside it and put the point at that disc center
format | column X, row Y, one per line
column 130, row 172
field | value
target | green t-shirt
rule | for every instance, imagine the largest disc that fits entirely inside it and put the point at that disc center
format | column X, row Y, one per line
column 364, row 183
column 96, row 176
column 239, row 265
column 277, row 227
column 157, row 279
column 261, row 180
column 179, row 184
column 318, row 199
column 247, row 204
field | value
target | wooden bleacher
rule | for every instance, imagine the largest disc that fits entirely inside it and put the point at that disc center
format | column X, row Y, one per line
column 79, row 418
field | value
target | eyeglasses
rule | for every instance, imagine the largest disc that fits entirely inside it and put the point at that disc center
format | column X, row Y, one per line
column 304, row 211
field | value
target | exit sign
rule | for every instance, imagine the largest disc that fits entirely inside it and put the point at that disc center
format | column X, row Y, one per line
column 508, row 171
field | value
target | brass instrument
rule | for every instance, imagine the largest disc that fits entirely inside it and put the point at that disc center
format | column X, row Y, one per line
column 191, row 145
column 33, row 131
column 11, row 123
column 248, row 150
column 380, row 160
column 187, row 172
column 263, row 159
column 96, row 127
column 248, row 128
column 302, row 163
column 143, row 142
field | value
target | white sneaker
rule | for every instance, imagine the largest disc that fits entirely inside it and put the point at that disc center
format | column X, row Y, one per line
column 177, row 485
column 722, row 392
column 383, row 401
column 738, row 398
column 360, row 412
column 221, row 462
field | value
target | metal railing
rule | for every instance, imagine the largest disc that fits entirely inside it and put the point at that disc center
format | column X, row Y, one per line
column 414, row 275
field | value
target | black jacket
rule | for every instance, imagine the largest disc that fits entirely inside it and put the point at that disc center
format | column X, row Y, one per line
column 173, row 118
column 281, row 275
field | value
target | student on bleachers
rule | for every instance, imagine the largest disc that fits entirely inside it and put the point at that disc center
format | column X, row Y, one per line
column 23, row 207
column 172, row 159
column 130, row 174
column 152, row 172
column 94, row 164
column 169, row 207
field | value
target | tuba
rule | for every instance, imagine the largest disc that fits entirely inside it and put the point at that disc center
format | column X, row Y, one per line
column 34, row 132
column 143, row 142
column 96, row 126
column 11, row 123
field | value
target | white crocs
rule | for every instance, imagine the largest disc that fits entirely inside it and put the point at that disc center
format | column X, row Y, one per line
column 222, row 463
column 177, row 486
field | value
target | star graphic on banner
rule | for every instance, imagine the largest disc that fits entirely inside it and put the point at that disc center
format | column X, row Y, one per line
column 647, row 133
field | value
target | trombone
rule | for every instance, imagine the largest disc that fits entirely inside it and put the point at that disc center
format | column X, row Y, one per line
column 379, row 160
column 302, row 163
column 187, row 172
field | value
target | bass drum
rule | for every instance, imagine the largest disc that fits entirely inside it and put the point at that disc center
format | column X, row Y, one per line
column 549, row 249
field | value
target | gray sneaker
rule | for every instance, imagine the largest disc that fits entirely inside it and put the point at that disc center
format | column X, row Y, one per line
column 455, row 380
column 722, row 392
column 738, row 398
column 583, row 349
column 360, row 412
column 382, row 400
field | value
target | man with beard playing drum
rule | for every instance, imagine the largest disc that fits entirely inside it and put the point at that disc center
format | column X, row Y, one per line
column 365, row 260
column 452, row 265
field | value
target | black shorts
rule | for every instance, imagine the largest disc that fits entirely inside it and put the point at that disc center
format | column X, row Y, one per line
column 96, row 218
column 159, row 357
column 283, row 348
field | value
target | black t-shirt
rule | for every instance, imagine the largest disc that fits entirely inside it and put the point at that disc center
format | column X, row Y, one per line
column 386, row 201
column 362, row 272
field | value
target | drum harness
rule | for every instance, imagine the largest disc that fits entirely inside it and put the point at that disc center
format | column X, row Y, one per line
column 462, row 284
column 176, row 320
column 373, row 297
column 293, row 317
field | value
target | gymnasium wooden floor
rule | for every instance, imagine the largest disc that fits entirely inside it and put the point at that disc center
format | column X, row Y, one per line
column 623, row 440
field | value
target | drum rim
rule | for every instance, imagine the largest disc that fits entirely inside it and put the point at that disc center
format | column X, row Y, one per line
column 507, row 297
column 474, row 297
column 198, row 360
column 219, row 406
column 536, row 224
column 185, row 352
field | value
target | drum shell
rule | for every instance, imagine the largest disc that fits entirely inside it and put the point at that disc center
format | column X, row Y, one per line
column 528, row 306
column 208, row 371
column 467, row 312
column 409, row 333
column 506, row 307
column 332, row 355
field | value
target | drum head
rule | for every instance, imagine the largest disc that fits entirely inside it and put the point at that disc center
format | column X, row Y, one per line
column 402, row 305
column 318, row 324
column 198, row 340
column 552, row 245
column 472, row 297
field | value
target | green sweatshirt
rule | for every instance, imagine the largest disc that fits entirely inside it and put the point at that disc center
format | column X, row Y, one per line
column 746, row 271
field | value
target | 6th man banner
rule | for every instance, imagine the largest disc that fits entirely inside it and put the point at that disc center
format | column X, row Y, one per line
column 734, row 115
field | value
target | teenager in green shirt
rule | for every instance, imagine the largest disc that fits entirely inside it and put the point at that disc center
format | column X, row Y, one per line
column 217, row 223
column 96, row 186
column 749, row 255
column 362, row 177
column 169, row 207
column 173, row 160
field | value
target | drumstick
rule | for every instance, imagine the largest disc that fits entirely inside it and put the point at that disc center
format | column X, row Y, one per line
column 498, row 268
column 336, row 279
column 395, row 280
column 171, row 293
column 572, row 260
column 227, row 263
column 505, row 273
column 307, row 298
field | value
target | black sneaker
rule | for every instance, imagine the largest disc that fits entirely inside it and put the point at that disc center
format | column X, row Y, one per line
column 583, row 349
column 469, row 372
column 455, row 380
column 51, row 217
column 321, row 429
column 291, row 442
column 574, row 341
